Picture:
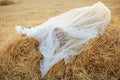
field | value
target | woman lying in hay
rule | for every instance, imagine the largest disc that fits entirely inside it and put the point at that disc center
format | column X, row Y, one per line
column 99, row 60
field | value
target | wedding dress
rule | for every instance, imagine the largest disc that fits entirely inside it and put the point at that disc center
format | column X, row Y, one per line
column 67, row 34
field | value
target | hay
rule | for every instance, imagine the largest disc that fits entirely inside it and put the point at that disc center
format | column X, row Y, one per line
column 99, row 61
column 21, row 61
column 6, row 2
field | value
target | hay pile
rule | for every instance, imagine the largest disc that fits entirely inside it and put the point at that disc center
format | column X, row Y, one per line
column 20, row 60
column 99, row 61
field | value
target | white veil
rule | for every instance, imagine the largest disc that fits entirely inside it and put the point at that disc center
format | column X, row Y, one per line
column 66, row 35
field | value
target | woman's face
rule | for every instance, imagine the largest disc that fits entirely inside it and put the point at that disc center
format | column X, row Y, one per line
column 59, row 34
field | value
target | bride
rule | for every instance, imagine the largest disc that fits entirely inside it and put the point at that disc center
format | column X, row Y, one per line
column 67, row 34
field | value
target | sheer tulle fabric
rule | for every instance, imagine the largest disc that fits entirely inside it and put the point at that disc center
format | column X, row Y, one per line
column 66, row 35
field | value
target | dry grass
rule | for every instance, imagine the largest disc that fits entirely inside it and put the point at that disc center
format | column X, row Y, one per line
column 99, row 61
column 20, row 58
column 21, row 61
